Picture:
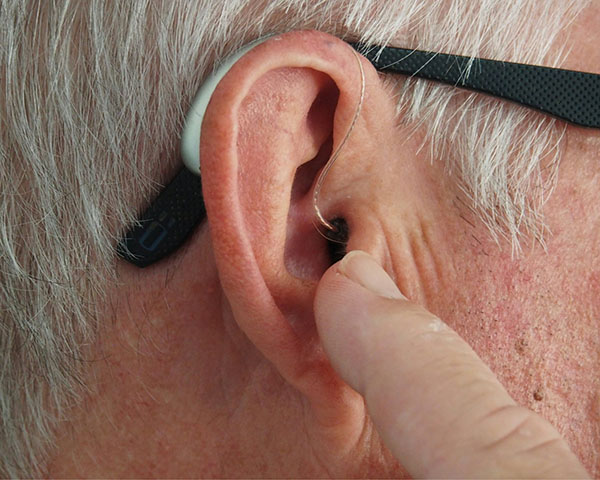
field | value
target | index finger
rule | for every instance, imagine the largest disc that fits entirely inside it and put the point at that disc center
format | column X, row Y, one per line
column 437, row 406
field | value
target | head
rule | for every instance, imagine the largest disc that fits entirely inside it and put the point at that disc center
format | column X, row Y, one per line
column 480, row 208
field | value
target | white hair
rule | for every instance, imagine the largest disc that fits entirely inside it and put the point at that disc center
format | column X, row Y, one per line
column 92, row 100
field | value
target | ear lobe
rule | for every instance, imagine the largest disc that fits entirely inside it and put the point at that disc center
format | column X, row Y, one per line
column 268, row 130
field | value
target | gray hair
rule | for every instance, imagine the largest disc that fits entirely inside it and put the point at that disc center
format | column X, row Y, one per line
column 92, row 100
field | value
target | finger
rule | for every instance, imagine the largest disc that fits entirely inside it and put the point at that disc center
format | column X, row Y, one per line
column 436, row 405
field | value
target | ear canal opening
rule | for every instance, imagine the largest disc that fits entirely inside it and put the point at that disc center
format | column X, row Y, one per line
column 337, row 240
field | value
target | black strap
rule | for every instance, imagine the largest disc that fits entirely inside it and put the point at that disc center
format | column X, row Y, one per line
column 566, row 94
column 167, row 223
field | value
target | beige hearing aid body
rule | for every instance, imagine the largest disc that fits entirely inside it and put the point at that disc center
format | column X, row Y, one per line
column 190, row 138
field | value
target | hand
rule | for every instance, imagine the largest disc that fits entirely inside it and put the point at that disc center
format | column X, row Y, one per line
column 438, row 408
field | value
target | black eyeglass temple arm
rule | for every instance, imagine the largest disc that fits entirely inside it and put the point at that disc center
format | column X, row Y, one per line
column 565, row 94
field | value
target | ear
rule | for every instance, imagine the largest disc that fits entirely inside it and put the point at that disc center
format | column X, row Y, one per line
column 269, row 128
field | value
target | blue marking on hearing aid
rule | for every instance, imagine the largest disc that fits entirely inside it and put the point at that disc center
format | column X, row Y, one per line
column 155, row 234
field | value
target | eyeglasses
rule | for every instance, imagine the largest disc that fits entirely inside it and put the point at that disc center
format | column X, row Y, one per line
column 565, row 94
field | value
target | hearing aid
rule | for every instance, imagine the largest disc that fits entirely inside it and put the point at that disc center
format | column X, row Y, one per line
column 190, row 137
column 179, row 208
column 336, row 230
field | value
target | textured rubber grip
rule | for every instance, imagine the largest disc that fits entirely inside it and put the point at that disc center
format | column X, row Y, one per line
column 566, row 94
column 167, row 223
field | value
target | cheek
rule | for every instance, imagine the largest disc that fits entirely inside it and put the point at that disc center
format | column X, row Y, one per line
column 534, row 322
column 513, row 314
column 489, row 309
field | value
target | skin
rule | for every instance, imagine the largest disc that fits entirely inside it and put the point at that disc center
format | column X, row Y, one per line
column 210, row 363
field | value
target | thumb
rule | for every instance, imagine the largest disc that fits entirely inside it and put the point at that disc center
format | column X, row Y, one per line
column 436, row 405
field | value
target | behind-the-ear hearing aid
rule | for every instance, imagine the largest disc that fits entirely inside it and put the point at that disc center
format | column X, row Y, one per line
column 568, row 95
column 180, row 207
column 190, row 138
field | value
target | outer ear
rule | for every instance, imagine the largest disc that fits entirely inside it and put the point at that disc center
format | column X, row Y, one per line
column 269, row 128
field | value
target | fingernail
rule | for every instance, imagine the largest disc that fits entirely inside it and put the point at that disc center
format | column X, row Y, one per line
column 362, row 268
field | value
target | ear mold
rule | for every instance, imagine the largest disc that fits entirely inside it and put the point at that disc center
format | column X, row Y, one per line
column 337, row 240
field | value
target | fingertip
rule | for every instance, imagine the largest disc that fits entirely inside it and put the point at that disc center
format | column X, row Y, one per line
column 362, row 268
